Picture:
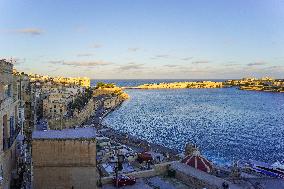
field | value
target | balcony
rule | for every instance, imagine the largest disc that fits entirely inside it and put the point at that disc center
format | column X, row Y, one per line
column 8, row 142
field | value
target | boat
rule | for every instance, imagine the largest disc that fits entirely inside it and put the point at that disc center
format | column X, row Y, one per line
column 275, row 170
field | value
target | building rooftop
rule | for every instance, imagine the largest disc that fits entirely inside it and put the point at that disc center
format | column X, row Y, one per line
column 77, row 133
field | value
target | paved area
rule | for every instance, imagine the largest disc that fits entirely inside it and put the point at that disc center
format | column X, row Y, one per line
column 267, row 183
column 140, row 184
column 166, row 183
column 153, row 183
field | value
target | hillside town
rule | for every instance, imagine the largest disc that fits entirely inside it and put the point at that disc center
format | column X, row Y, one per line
column 52, row 136
column 266, row 84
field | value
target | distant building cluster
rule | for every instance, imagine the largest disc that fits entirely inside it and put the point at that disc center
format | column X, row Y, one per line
column 82, row 81
column 55, row 105
column 267, row 84
column 54, row 95
column 182, row 85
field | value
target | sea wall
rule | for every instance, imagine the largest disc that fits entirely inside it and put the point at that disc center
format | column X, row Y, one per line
column 158, row 169
column 103, row 102
column 199, row 179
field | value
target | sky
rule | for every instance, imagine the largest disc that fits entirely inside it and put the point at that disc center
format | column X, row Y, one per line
column 144, row 39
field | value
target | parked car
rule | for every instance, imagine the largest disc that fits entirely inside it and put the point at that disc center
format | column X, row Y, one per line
column 124, row 180
column 144, row 157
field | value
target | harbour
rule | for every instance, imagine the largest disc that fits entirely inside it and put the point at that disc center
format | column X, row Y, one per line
column 229, row 127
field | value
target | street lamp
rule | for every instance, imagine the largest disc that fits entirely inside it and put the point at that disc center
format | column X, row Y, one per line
column 120, row 159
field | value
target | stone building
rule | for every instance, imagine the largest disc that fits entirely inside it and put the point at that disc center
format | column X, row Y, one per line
column 77, row 119
column 55, row 106
column 64, row 159
column 9, row 122
column 81, row 81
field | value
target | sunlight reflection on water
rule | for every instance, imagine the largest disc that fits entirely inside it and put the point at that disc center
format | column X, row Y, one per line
column 226, row 124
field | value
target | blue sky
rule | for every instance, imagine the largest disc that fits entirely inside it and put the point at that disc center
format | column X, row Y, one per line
column 125, row 39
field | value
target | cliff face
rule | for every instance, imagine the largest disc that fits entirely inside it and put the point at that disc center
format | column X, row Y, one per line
column 114, row 91
column 109, row 98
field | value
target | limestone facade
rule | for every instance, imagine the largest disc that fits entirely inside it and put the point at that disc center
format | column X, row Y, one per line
column 9, row 122
column 64, row 163
column 77, row 119
column 55, row 106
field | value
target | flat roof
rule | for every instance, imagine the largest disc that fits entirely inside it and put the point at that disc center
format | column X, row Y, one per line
column 77, row 133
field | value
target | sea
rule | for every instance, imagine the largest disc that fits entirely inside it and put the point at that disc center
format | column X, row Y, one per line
column 227, row 124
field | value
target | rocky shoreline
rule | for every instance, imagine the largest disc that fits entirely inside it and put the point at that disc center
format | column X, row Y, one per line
column 266, row 84
column 124, row 138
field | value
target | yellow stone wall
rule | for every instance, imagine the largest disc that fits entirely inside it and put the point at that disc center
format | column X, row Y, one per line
column 65, row 177
column 8, row 163
column 64, row 152
column 77, row 119
column 64, row 163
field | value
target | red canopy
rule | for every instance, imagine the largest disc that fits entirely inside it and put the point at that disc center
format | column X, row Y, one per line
column 198, row 162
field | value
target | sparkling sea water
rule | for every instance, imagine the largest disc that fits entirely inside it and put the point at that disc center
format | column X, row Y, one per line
column 227, row 124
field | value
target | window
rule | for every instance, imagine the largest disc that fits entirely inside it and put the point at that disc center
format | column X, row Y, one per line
column 12, row 127
column 5, row 132
column 7, row 91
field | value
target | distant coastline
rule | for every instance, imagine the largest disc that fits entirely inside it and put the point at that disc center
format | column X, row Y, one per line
column 266, row 84
column 179, row 85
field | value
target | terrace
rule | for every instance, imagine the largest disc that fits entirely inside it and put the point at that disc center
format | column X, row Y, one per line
column 72, row 134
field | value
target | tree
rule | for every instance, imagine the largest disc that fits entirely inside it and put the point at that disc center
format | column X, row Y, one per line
column 105, row 85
